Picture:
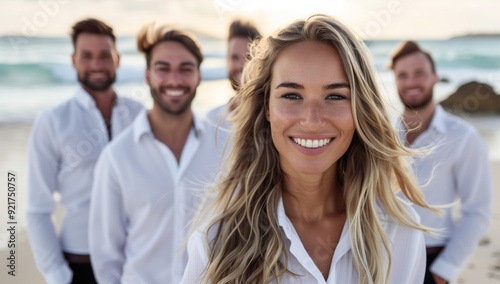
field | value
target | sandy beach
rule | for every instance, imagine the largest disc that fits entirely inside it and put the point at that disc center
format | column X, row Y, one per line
column 483, row 268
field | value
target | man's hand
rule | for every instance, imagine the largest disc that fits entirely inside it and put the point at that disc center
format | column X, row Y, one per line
column 438, row 279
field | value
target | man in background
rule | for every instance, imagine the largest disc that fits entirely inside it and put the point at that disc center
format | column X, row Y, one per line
column 149, row 182
column 241, row 35
column 456, row 169
column 64, row 146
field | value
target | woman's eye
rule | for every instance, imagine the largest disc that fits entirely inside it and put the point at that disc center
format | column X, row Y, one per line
column 335, row 97
column 291, row 96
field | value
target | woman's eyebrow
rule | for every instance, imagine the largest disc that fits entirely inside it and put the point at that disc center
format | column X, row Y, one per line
column 327, row 87
column 336, row 86
column 290, row 85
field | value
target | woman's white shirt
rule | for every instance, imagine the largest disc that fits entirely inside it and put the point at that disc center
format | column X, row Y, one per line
column 407, row 247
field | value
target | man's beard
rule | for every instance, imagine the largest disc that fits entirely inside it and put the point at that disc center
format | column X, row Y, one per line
column 234, row 83
column 419, row 105
column 97, row 87
column 155, row 93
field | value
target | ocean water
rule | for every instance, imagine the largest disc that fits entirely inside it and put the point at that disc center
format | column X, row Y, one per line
column 36, row 73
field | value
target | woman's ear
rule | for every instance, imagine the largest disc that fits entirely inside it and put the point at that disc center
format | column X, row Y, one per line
column 267, row 114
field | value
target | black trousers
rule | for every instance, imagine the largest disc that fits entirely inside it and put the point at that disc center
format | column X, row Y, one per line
column 82, row 273
column 431, row 256
column 82, row 269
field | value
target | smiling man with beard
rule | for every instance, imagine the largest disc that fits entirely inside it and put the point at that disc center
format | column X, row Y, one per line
column 456, row 169
column 64, row 146
column 145, row 190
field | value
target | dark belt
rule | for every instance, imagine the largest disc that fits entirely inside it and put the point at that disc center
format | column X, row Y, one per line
column 77, row 258
column 434, row 250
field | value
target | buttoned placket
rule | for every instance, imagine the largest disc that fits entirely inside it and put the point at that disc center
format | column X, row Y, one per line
column 300, row 253
column 116, row 119
column 96, row 114
column 98, row 121
column 177, row 169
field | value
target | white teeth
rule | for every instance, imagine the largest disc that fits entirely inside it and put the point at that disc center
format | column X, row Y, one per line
column 311, row 143
column 97, row 74
column 414, row 91
column 173, row 93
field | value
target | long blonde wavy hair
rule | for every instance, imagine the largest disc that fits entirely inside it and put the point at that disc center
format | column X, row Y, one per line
column 249, row 246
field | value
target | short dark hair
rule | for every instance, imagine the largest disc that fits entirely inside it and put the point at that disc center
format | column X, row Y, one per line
column 92, row 26
column 240, row 28
column 406, row 48
column 150, row 35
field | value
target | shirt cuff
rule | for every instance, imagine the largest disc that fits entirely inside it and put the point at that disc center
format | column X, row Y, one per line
column 61, row 275
column 444, row 269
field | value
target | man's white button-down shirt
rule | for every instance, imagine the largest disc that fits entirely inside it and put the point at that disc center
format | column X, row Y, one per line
column 218, row 117
column 64, row 146
column 143, row 201
column 456, row 168
column 407, row 248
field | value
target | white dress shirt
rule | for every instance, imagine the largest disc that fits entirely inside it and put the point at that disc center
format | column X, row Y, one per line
column 218, row 117
column 457, row 168
column 143, row 200
column 64, row 146
column 407, row 248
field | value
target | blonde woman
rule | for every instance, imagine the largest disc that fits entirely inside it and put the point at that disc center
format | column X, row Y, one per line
column 310, row 192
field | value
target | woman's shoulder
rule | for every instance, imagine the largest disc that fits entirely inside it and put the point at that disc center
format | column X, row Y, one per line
column 408, row 206
column 407, row 246
column 198, row 252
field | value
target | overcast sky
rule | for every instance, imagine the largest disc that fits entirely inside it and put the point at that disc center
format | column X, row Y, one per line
column 375, row 19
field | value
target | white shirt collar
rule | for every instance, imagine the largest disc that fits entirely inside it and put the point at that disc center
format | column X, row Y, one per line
column 87, row 101
column 142, row 126
column 84, row 98
column 438, row 119
column 438, row 122
column 284, row 222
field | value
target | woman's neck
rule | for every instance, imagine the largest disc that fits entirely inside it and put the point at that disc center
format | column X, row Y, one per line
column 312, row 198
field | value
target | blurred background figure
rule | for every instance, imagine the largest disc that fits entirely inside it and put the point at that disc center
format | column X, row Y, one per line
column 148, row 182
column 457, row 167
column 64, row 146
column 241, row 35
